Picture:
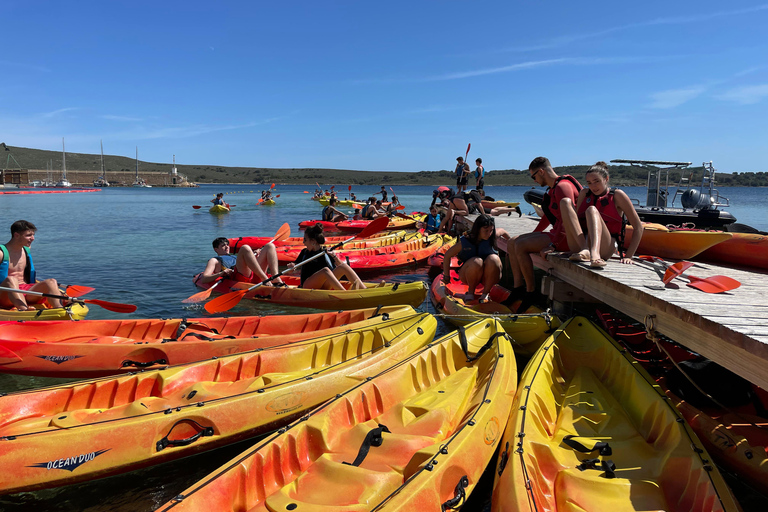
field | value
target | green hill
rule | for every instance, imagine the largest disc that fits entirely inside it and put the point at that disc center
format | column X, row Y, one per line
column 38, row 159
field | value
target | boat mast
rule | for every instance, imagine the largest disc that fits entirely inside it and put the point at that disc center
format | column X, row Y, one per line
column 137, row 164
column 103, row 174
column 63, row 161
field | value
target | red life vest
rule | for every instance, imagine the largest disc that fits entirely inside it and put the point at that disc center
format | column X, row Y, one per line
column 606, row 206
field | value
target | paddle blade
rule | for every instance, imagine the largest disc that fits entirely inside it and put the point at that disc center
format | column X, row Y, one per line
column 199, row 296
column 374, row 227
column 714, row 284
column 675, row 270
column 225, row 302
column 467, row 153
column 78, row 291
column 117, row 307
column 273, row 186
column 282, row 233
column 306, row 192
column 349, row 188
column 196, row 207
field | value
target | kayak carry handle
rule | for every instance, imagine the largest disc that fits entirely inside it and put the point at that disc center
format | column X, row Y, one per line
column 139, row 364
column 201, row 432
column 372, row 438
column 459, row 495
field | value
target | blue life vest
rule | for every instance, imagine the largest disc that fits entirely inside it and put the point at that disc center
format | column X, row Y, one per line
column 470, row 250
column 227, row 260
column 29, row 271
column 433, row 222
column 480, row 172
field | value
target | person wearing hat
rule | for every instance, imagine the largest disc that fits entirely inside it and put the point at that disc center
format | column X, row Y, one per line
column 462, row 174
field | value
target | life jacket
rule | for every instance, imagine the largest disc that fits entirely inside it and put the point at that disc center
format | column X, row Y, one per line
column 480, row 172
column 433, row 222
column 29, row 270
column 327, row 214
column 368, row 211
column 606, row 206
column 470, row 250
column 545, row 201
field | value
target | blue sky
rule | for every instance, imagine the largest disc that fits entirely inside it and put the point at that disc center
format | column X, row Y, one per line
column 400, row 86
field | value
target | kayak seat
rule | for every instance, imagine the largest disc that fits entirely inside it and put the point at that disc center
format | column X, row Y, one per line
column 576, row 491
column 139, row 407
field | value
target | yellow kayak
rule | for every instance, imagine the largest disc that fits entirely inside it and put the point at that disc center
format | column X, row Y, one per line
column 268, row 202
column 218, row 208
column 341, row 202
column 591, row 430
column 416, row 436
column 74, row 311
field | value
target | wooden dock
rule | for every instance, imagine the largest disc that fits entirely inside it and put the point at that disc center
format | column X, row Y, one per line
column 730, row 328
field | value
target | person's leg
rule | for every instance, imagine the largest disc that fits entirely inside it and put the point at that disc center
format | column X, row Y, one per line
column 347, row 272
column 491, row 274
column 323, row 279
column 248, row 264
column 48, row 286
column 577, row 242
column 525, row 245
column 13, row 299
column 471, row 274
column 446, row 223
column 600, row 241
column 267, row 261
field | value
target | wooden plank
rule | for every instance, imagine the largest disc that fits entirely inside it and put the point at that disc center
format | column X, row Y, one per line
column 735, row 350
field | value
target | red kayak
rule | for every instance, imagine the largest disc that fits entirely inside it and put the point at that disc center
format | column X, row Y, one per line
column 256, row 242
column 358, row 225
column 327, row 226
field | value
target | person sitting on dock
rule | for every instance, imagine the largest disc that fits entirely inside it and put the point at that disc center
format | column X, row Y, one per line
column 247, row 266
column 520, row 248
column 323, row 273
column 480, row 262
column 331, row 214
column 599, row 214
column 219, row 199
column 17, row 271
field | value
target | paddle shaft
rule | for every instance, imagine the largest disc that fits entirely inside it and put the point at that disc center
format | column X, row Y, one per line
column 117, row 307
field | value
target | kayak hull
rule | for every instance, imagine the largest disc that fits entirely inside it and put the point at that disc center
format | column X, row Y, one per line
column 579, row 389
column 75, row 311
column 746, row 249
column 79, row 431
column 256, row 242
column 93, row 348
column 443, row 417
column 675, row 244
column 218, row 208
column 382, row 294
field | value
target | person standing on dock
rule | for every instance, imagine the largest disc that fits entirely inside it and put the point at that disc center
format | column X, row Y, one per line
column 479, row 174
column 595, row 226
column 520, row 248
column 462, row 174
column 17, row 270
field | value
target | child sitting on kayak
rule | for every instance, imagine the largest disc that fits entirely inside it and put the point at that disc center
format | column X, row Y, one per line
column 247, row 266
column 595, row 225
column 331, row 214
column 324, row 272
column 218, row 200
column 480, row 262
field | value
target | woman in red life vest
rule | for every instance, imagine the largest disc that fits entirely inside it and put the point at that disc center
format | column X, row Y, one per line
column 594, row 227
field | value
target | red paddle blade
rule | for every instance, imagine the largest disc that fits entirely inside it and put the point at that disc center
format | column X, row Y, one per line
column 306, row 192
column 225, row 302
column 675, row 270
column 117, row 307
column 468, row 146
column 374, row 227
column 196, row 207
column 273, row 186
column 77, row 290
column 349, row 188
column 714, row 284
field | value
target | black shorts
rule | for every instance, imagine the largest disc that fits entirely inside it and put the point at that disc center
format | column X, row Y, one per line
column 480, row 184
column 461, row 181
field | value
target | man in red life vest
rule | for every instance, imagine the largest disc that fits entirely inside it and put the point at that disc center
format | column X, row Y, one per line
column 520, row 248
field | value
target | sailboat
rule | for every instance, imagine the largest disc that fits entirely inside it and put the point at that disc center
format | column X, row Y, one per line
column 63, row 181
column 101, row 181
column 139, row 181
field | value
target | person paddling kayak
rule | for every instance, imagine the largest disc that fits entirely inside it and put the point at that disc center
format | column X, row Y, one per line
column 17, row 271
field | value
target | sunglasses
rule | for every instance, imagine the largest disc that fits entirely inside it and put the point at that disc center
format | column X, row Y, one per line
column 533, row 176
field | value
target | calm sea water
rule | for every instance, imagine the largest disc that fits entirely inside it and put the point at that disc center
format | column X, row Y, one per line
column 142, row 246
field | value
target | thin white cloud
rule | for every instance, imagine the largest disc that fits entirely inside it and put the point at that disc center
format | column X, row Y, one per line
column 675, row 97
column 120, row 118
column 746, row 95
column 673, row 20
column 55, row 113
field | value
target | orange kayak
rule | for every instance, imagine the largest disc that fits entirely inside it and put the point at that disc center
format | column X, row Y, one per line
column 93, row 348
column 376, row 294
column 415, row 437
column 747, row 249
column 527, row 332
column 359, row 225
column 383, row 258
column 255, row 242
column 90, row 429
column 676, row 244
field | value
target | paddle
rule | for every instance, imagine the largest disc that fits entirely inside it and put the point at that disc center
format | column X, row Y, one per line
column 77, row 290
column 282, row 233
column 712, row 284
column 229, row 300
column 117, row 307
